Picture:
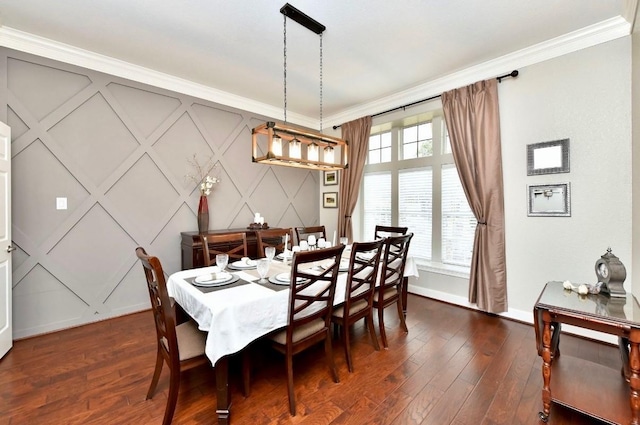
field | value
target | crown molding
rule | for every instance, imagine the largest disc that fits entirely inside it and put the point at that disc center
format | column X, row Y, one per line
column 602, row 32
column 593, row 35
column 40, row 46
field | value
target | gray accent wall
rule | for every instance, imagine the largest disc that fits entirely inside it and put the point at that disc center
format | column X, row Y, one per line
column 118, row 150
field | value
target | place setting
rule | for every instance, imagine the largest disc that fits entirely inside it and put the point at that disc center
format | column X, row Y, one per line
column 245, row 263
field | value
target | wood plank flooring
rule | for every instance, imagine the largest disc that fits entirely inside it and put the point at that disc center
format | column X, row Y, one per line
column 455, row 366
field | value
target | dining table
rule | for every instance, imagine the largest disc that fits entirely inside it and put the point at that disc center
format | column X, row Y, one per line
column 238, row 312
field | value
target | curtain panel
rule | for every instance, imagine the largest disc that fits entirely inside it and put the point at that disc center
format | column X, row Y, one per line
column 473, row 120
column 357, row 133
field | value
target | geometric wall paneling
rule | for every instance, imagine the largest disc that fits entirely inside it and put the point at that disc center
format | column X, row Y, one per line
column 178, row 144
column 143, row 198
column 307, row 209
column 129, row 292
column 42, row 303
column 269, row 198
column 32, row 84
column 118, row 151
column 95, row 137
column 145, row 109
column 245, row 216
column 92, row 257
column 218, row 123
column 38, row 177
column 18, row 127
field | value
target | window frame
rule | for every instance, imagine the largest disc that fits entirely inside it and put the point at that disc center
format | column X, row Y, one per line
column 397, row 164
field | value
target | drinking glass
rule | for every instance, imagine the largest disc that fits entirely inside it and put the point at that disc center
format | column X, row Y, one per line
column 344, row 240
column 263, row 268
column 304, row 245
column 311, row 240
column 270, row 252
column 222, row 260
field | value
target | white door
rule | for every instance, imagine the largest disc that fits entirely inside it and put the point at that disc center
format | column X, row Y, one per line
column 6, row 330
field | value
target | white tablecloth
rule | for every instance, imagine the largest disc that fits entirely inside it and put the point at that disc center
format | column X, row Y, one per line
column 236, row 316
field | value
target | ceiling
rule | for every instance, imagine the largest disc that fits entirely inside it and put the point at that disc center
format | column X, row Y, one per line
column 377, row 54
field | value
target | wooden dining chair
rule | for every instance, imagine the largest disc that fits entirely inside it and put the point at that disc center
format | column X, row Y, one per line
column 389, row 289
column 180, row 346
column 361, row 284
column 273, row 237
column 302, row 233
column 310, row 307
column 384, row 231
column 233, row 244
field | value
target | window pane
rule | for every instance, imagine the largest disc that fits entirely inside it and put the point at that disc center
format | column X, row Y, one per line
column 377, row 202
column 385, row 155
column 426, row 148
column 409, row 151
column 386, row 139
column 415, row 208
column 374, row 142
column 374, row 157
column 425, row 131
column 458, row 222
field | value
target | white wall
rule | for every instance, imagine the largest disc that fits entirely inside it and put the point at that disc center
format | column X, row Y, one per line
column 584, row 96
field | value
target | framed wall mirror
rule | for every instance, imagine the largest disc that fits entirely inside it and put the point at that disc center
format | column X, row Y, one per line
column 549, row 200
column 548, row 157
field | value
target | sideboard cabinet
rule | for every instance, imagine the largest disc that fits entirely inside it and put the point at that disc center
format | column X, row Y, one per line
column 192, row 247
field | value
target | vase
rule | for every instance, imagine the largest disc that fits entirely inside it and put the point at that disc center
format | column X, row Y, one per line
column 203, row 215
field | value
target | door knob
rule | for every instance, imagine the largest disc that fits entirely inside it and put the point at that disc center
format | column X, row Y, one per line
column 11, row 248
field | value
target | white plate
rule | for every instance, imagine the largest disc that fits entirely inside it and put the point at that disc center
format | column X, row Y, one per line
column 281, row 256
column 243, row 264
column 285, row 278
column 213, row 278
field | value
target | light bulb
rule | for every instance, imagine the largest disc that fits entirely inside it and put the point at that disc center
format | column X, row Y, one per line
column 276, row 145
column 313, row 152
column 295, row 149
column 328, row 155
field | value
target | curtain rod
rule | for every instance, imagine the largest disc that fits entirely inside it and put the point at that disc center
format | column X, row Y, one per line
column 513, row 74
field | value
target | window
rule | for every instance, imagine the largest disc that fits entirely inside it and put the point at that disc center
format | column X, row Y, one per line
column 411, row 180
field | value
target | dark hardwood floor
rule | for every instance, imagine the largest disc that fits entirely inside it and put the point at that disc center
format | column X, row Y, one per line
column 455, row 366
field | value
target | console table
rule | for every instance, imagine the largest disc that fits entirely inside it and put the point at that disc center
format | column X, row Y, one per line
column 192, row 247
column 617, row 396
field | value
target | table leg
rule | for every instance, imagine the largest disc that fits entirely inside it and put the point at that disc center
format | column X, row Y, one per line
column 222, row 391
column 634, row 381
column 546, row 367
column 405, row 291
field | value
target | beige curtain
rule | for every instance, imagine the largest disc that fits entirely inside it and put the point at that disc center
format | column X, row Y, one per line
column 357, row 133
column 473, row 121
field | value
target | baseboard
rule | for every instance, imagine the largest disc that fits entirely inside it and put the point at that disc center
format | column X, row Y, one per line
column 513, row 314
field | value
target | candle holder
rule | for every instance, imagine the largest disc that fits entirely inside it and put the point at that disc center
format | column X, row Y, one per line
column 258, row 226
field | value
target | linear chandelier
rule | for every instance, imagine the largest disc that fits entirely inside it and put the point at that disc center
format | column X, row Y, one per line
column 295, row 147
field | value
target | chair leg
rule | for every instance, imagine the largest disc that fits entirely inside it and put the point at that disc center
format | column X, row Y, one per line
column 347, row 346
column 292, row 396
column 174, row 386
column 246, row 372
column 156, row 374
column 372, row 331
column 403, row 323
column 383, row 334
column 328, row 349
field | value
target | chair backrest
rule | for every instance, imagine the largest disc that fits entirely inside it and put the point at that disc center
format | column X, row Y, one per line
column 312, row 292
column 233, row 244
column 363, row 272
column 394, row 259
column 302, row 233
column 273, row 237
column 384, row 231
column 163, row 309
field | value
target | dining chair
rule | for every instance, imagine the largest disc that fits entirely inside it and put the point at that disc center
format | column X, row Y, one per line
column 389, row 289
column 302, row 233
column 233, row 244
column 180, row 346
column 310, row 307
column 273, row 237
column 384, row 231
column 361, row 284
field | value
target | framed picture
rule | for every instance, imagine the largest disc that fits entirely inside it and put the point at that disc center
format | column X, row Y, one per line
column 549, row 200
column 330, row 177
column 330, row 200
column 548, row 157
